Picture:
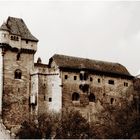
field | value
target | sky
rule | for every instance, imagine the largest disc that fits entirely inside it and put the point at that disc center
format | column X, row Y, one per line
column 100, row 30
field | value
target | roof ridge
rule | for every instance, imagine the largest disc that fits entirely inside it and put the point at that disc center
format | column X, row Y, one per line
column 72, row 62
column 86, row 58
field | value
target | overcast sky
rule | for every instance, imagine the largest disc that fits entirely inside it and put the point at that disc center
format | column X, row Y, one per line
column 108, row 31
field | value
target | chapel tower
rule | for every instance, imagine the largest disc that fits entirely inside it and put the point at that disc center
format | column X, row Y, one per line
column 17, row 49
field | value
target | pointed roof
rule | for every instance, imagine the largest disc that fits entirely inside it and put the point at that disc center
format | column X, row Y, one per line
column 4, row 27
column 70, row 62
column 17, row 26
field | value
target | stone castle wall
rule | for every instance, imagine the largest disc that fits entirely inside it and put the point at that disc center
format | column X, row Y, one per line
column 104, row 92
column 16, row 91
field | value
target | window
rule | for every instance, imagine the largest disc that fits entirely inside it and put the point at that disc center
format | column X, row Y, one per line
column 125, row 84
column 50, row 99
column 18, row 56
column 75, row 77
column 44, row 86
column 12, row 38
column 44, row 98
column 91, row 79
column 26, row 41
column 111, row 100
column 18, row 74
column 18, row 89
column 91, row 98
column 66, row 76
column 99, row 80
column 4, row 35
column 75, row 96
column 111, row 82
column 85, row 76
column 17, row 38
column 81, row 76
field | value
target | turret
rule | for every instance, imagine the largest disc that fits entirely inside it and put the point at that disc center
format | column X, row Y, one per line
column 4, row 34
column 15, row 33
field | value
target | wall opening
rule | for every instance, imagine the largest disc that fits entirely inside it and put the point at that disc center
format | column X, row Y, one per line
column 18, row 74
column 91, row 79
column 66, row 76
column 111, row 82
column 18, row 56
column 50, row 99
column 111, row 100
column 91, row 98
column 75, row 96
column 125, row 84
column 75, row 77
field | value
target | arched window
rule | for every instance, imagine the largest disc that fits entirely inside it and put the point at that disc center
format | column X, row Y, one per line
column 91, row 98
column 75, row 96
column 18, row 74
column 12, row 38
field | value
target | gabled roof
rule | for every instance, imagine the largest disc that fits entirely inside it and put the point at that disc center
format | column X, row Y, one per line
column 70, row 62
column 17, row 26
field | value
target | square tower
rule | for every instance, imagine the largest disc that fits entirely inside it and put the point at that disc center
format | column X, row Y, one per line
column 17, row 47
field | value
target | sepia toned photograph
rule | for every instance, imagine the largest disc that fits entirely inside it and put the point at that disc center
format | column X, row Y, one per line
column 69, row 69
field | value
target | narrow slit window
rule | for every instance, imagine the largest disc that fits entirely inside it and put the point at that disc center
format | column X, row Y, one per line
column 81, row 76
column 66, row 76
column 91, row 79
column 111, row 100
column 99, row 80
column 18, row 56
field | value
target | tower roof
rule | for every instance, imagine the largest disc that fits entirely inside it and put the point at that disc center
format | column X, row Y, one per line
column 17, row 26
column 4, row 27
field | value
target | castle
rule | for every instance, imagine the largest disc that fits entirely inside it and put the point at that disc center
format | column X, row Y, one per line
column 28, row 88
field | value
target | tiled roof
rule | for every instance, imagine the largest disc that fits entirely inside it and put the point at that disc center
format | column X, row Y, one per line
column 4, row 27
column 70, row 62
column 17, row 26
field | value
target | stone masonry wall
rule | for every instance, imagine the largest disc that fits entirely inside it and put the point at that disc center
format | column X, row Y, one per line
column 103, row 91
column 16, row 91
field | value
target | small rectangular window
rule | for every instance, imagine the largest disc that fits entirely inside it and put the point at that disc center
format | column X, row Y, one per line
column 50, row 99
column 91, row 79
column 66, row 76
column 99, row 80
column 125, row 84
column 111, row 82
column 26, row 41
column 75, row 77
